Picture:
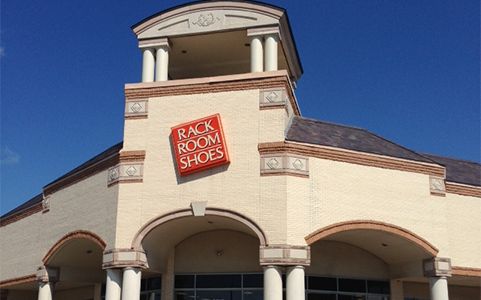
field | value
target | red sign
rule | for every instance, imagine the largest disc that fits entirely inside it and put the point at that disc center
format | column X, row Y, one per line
column 199, row 145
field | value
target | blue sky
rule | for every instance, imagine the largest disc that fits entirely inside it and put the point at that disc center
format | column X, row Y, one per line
column 406, row 70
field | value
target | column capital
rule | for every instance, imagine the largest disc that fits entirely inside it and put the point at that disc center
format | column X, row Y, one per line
column 285, row 255
column 264, row 31
column 155, row 43
column 123, row 258
column 437, row 267
column 47, row 274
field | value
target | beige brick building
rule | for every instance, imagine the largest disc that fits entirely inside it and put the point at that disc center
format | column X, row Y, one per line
column 274, row 206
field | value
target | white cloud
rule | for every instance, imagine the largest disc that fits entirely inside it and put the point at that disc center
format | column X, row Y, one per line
column 8, row 157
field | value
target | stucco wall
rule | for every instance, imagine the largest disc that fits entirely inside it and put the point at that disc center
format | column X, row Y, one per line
column 218, row 251
column 87, row 205
column 343, row 260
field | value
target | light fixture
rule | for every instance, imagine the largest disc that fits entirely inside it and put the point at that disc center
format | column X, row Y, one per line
column 219, row 252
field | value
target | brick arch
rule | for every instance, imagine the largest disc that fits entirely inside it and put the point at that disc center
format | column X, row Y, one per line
column 78, row 234
column 183, row 213
column 372, row 225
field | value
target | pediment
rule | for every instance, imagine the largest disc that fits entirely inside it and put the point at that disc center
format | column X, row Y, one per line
column 204, row 19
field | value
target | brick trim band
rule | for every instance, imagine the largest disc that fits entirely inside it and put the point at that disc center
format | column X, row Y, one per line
column 360, row 158
column 22, row 214
column 132, row 156
column 79, row 234
column 462, row 189
column 266, row 80
column 372, row 225
column 465, row 271
column 18, row 280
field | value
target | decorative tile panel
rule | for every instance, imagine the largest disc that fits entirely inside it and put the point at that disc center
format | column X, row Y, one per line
column 125, row 172
column 45, row 204
column 437, row 186
column 273, row 98
column 137, row 109
column 284, row 164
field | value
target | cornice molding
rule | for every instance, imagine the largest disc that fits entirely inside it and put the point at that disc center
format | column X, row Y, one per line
column 38, row 207
column 463, row 189
column 354, row 157
column 466, row 271
column 18, row 280
column 238, row 82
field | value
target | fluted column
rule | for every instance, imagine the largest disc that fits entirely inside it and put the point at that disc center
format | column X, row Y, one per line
column 113, row 284
column 148, row 65
column 272, row 283
column 131, row 284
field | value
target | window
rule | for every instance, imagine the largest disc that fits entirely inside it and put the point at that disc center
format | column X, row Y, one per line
column 332, row 288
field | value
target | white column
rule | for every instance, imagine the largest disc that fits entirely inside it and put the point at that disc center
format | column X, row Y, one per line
column 148, row 65
column 271, row 52
column 44, row 291
column 113, row 284
column 162, row 63
column 131, row 284
column 439, row 288
column 295, row 289
column 272, row 283
column 257, row 54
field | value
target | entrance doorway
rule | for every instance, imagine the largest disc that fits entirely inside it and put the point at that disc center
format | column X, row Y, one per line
column 219, row 286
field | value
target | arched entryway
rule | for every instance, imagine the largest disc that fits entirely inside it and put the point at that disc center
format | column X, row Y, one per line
column 72, row 268
column 211, row 256
column 365, row 259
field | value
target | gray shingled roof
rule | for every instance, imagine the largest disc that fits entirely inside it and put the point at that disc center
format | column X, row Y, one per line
column 333, row 135
column 460, row 171
column 35, row 200
column 328, row 134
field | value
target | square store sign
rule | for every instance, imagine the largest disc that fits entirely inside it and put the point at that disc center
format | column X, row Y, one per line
column 199, row 145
